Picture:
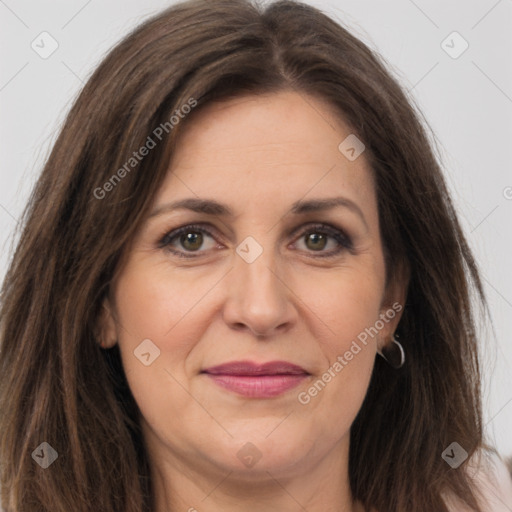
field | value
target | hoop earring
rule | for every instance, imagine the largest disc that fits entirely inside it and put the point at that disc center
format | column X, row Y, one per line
column 395, row 356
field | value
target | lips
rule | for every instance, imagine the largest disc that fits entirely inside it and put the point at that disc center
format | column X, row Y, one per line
column 255, row 380
column 250, row 368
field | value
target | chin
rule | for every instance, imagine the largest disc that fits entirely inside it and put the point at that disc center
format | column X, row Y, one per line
column 252, row 455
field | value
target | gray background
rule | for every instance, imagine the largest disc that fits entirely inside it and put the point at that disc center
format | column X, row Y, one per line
column 466, row 100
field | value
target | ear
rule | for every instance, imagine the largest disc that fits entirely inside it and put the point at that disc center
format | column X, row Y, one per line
column 393, row 304
column 106, row 327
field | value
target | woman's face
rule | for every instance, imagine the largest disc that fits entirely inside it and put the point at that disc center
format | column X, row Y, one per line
column 266, row 276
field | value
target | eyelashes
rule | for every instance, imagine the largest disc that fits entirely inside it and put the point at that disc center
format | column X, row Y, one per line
column 327, row 233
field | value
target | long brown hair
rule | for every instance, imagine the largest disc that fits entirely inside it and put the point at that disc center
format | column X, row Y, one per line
column 58, row 386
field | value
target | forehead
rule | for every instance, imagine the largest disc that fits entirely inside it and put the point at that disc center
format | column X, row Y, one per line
column 279, row 146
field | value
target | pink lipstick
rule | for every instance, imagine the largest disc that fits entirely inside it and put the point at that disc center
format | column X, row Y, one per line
column 257, row 380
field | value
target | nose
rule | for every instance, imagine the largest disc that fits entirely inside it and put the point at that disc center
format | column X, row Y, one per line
column 259, row 298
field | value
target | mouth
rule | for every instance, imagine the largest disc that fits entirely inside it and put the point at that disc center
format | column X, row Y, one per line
column 255, row 380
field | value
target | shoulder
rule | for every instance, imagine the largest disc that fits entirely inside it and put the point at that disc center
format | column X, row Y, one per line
column 492, row 482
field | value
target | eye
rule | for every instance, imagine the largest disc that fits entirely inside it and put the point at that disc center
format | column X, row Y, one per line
column 190, row 237
column 316, row 237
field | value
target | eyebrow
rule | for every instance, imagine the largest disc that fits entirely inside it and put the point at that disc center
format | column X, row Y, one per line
column 212, row 207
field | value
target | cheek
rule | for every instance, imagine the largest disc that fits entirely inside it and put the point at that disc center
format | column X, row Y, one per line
column 170, row 308
column 344, row 305
column 346, row 308
column 157, row 303
column 160, row 308
column 148, row 307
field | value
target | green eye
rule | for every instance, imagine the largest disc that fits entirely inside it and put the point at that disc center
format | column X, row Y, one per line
column 190, row 238
column 314, row 238
column 191, row 241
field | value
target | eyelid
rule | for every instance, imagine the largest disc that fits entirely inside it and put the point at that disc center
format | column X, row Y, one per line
column 338, row 234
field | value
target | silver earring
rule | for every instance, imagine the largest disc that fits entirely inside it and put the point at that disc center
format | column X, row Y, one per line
column 393, row 354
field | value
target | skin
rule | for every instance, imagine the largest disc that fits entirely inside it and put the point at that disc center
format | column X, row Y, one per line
column 258, row 155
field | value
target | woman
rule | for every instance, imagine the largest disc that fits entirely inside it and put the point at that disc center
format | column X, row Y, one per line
column 171, row 337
